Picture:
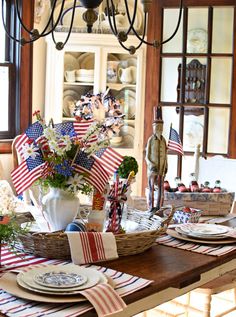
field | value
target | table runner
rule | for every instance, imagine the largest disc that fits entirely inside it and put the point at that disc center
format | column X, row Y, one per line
column 215, row 250
column 12, row 306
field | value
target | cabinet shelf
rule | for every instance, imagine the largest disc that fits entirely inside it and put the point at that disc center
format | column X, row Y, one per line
column 66, row 83
column 119, row 86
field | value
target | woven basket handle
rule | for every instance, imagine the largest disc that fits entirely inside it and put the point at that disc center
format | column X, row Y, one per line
column 170, row 216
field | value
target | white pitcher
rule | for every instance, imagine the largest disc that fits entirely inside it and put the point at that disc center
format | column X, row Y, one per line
column 127, row 75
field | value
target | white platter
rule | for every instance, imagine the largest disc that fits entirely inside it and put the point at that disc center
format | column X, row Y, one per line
column 70, row 62
column 204, row 229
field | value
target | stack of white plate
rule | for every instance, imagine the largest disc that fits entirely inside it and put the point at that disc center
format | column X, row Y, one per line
column 203, row 231
column 60, row 279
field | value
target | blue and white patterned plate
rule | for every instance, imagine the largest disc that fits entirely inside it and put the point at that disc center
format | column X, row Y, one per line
column 60, row 279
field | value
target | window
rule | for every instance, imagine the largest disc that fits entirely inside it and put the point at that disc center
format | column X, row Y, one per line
column 15, row 72
column 195, row 74
column 7, row 86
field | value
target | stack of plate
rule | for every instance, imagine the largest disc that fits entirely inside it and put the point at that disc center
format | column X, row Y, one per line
column 59, row 279
column 204, row 231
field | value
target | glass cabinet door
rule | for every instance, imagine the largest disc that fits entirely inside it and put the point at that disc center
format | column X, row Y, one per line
column 121, row 76
column 79, row 68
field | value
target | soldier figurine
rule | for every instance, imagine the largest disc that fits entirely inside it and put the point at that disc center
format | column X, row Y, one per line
column 156, row 159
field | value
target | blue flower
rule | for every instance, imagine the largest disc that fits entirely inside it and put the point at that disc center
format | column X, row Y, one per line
column 64, row 168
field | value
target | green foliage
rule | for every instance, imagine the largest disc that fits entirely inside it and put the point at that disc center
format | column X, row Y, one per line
column 10, row 231
column 128, row 165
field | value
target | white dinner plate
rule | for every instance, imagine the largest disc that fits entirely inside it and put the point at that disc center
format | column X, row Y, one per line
column 200, row 236
column 70, row 62
column 69, row 105
column 73, row 93
column 27, row 279
column 204, row 229
column 78, row 17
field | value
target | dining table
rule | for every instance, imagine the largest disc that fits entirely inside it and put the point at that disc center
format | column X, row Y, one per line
column 173, row 271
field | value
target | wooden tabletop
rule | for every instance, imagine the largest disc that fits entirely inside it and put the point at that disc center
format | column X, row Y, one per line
column 168, row 267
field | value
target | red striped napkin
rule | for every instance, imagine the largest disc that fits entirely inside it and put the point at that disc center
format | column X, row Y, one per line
column 104, row 299
column 90, row 247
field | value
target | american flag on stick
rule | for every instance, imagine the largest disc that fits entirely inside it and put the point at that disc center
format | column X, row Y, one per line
column 28, row 172
column 109, row 159
column 174, row 142
column 93, row 171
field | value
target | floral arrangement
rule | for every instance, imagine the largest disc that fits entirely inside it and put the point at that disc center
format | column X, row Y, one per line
column 128, row 165
column 67, row 155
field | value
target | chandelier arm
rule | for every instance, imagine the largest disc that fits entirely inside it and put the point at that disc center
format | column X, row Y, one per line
column 113, row 18
column 109, row 20
column 177, row 26
column 51, row 19
column 70, row 29
column 141, row 38
column 131, row 22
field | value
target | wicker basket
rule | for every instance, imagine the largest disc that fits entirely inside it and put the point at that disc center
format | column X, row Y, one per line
column 56, row 245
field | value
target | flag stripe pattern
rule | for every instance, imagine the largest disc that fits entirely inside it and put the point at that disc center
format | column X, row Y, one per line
column 28, row 172
column 94, row 172
column 174, row 142
column 109, row 159
column 124, row 284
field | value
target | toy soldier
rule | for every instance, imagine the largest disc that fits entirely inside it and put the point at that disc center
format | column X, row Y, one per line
column 156, row 159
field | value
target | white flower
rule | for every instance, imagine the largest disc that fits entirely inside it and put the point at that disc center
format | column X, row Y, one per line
column 29, row 150
column 75, row 182
column 66, row 142
column 50, row 133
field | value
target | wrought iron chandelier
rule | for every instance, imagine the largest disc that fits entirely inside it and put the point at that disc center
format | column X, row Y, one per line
column 90, row 16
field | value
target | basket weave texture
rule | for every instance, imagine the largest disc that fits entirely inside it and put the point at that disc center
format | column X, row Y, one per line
column 56, row 245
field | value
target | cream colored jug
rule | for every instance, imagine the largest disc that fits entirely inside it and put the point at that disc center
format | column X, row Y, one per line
column 127, row 75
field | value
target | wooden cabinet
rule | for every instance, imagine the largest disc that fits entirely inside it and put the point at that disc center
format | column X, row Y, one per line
column 94, row 63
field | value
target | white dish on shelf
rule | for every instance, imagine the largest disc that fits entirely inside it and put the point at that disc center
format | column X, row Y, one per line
column 70, row 62
column 112, row 57
column 125, row 22
column 68, row 105
column 78, row 17
column 197, row 41
column 72, row 93
column 86, row 60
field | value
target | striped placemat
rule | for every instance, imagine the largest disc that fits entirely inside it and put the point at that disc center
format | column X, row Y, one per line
column 12, row 306
column 215, row 250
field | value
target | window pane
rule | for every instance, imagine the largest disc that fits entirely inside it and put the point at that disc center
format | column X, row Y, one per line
column 169, row 25
column 222, row 35
column 169, row 79
column 193, row 128
column 197, row 30
column 170, row 116
column 4, row 93
column 172, row 169
column 221, row 76
column 2, row 37
column 218, row 130
column 188, row 167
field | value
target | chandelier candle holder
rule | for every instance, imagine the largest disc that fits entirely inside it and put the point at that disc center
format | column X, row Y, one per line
column 90, row 16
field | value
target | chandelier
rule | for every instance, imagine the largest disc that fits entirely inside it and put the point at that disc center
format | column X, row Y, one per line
column 90, row 16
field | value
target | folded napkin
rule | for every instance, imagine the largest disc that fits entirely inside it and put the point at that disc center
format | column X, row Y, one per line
column 89, row 247
column 104, row 299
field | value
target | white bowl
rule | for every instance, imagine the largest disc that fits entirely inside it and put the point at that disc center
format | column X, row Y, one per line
column 84, row 72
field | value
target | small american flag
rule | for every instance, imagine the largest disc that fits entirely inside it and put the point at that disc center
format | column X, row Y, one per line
column 28, row 172
column 109, row 159
column 32, row 133
column 174, row 142
column 94, row 172
column 79, row 129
